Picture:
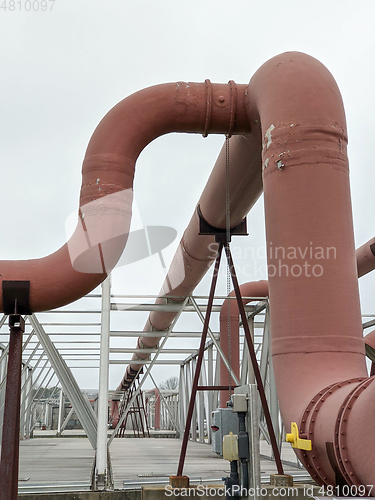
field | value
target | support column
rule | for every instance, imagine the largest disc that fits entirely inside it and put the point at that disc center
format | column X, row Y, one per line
column 157, row 410
column 102, row 474
column 181, row 399
column 61, row 413
column 11, row 422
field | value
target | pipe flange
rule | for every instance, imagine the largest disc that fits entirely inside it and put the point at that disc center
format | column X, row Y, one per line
column 233, row 104
column 313, row 465
column 208, row 107
column 142, row 345
column 340, row 437
column 307, row 427
column 138, row 358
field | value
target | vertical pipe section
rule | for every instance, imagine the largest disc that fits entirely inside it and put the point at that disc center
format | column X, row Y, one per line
column 11, row 422
column 157, row 409
column 250, row 289
column 310, row 243
column 101, row 449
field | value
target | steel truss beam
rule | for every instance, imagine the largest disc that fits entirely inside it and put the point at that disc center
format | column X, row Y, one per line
column 70, row 387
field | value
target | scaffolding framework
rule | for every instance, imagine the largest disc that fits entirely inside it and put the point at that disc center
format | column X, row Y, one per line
column 59, row 344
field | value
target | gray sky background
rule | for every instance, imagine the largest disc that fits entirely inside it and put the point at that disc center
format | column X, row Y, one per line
column 62, row 70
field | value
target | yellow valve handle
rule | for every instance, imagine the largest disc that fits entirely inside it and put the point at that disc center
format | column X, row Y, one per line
column 296, row 441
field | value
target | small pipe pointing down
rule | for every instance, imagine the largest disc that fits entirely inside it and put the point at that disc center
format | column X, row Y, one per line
column 289, row 131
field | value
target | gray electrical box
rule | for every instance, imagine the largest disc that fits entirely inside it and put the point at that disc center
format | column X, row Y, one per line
column 223, row 421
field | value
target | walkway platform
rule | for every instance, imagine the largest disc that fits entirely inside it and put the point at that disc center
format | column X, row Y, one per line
column 65, row 464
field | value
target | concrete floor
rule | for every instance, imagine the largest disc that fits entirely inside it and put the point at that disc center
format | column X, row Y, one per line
column 55, row 461
column 46, row 463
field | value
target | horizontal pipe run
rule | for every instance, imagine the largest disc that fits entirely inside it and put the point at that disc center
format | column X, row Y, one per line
column 106, row 196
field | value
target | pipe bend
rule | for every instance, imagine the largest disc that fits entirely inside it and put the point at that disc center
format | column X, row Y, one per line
column 317, row 338
column 298, row 139
column 365, row 256
column 107, row 184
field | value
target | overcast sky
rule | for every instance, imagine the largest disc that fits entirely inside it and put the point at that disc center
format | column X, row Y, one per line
column 63, row 69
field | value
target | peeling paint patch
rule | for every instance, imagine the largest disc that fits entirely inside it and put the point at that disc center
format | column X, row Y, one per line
column 265, row 164
column 280, row 164
column 268, row 137
column 97, row 181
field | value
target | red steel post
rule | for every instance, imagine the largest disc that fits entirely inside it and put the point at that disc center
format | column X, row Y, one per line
column 254, row 362
column 157, row 410
column 11, row 422
column 199, row 364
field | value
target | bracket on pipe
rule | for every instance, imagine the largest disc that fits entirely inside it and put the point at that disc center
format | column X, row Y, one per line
column 220, row 234
column 16, row 297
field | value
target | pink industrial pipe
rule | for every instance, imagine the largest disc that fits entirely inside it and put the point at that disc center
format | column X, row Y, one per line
column 316, row 326
column 317, row 341
column 157, row 409
column 365, row 256
column 292, row 112
column 107, row 183
column 229, row 310
column 260, row 289
column 370, row 340
column 115, row 412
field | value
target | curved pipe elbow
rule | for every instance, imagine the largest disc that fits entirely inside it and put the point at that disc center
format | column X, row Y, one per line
column 296, row 107
column 310, row 246
column 365, row 256
column 107, row 182
column 294, row 111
